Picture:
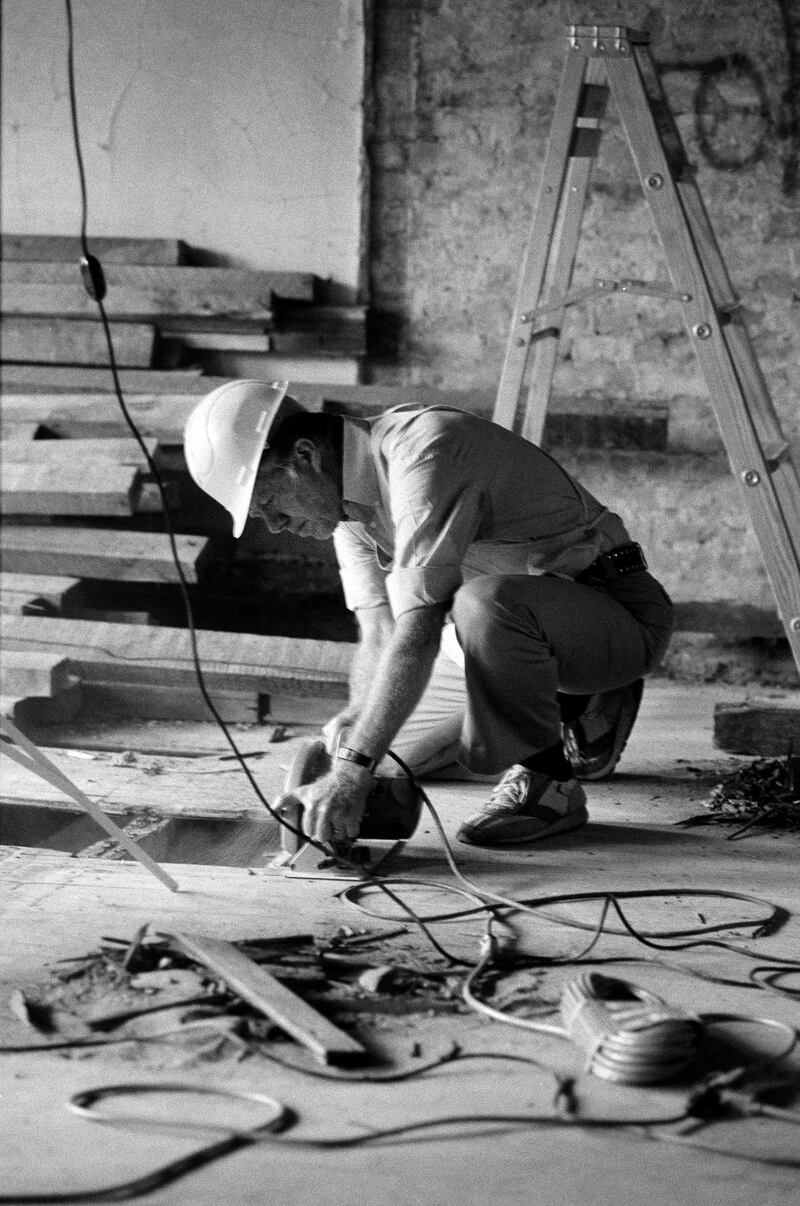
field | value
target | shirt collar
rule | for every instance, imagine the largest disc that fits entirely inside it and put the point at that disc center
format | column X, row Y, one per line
column 360, row 492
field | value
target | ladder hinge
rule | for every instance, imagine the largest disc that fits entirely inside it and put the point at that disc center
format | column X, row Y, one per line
column 604, row 40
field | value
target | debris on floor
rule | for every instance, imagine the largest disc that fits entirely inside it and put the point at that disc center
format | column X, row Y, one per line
column 765, row 792
column 171, row 1009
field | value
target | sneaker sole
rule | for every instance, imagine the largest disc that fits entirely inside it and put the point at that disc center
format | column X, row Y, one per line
column 571, row 821
column 592, row 770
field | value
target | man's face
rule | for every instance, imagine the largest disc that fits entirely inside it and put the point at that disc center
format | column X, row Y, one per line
column 298, row 497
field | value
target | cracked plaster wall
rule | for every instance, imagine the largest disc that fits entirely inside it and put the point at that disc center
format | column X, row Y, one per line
column 235, row 126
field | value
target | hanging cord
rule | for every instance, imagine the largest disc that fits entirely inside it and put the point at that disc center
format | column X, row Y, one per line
column 95, row 285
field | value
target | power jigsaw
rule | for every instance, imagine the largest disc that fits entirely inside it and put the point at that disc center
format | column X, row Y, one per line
column 392, row 813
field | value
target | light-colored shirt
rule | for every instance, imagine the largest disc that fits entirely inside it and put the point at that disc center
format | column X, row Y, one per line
column 435, row 496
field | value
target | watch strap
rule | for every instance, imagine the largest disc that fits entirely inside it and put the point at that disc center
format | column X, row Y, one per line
column 348, row 755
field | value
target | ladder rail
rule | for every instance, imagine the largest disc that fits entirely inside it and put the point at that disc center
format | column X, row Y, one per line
column 534, row 266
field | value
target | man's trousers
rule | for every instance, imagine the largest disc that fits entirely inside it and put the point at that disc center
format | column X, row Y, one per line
column 514, row 645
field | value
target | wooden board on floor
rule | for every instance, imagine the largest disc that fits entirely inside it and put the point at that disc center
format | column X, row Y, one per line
column 767, row 728
column 112, row 250
column 134, row 784
column 50, row 589
column 231, row 661
column 75, row 341
column 274, row 1000
column 98, row 553
column 145, row 292
column 157, row 701
column 58, row 454
column 25, row 672
column 79, row 488
column 98, row 416
column 66, row 379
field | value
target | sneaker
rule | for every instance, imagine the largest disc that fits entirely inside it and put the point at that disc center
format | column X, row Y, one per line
column 525, row 807
column 594, row 741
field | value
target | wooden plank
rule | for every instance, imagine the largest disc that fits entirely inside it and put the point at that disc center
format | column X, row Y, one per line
column 33, row 672
column 36, row 710
column 231, row 661
column 728, row 619
column 54, row 591
column 58, row 454
column 111, row 250
column 137, row 292
column 21, row 433
column 92, row 416
column 266, row 994
column 98, row 553
column 155, row 701
column 81, row 488
column 769, row 728
column 125, row 785
column 75, row 341
column 67, row 379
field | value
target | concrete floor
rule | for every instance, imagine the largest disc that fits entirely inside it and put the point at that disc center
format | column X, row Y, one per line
column 55, row 906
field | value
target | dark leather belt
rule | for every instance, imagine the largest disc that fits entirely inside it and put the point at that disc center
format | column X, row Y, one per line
column 616, row 563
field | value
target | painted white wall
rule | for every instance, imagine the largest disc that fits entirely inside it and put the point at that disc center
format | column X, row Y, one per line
column 235, row 125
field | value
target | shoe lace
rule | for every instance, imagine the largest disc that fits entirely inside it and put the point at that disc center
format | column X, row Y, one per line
column 510, row 792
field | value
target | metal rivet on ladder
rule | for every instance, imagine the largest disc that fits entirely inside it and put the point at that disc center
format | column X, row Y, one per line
column 655, row 181
column 794, row 623
column 702, row 330
column 751, row 477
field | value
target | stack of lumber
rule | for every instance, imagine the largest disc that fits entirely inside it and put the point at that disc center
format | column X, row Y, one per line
column 166, row 312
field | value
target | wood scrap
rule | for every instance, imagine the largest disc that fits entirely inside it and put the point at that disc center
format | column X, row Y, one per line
column 72, row 488
column 66, row 379
column 75, row 341
column 271, row 998
column 137, row 292
column 110, row 249
column 123, row 556
column 232, row 661
column 120, row 450
column 27, row 672
column 766, row 727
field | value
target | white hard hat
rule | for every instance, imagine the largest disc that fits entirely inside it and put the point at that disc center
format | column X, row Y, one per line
column 225, row 436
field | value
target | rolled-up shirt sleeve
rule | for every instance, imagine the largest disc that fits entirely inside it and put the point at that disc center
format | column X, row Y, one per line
column 363, row 580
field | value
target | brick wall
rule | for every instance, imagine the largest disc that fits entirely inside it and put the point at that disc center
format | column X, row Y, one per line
column 461, row 107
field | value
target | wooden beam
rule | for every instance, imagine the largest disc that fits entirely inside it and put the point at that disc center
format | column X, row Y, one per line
column 67, row 379
column 58, row 454
column 769, row 728
column 33, row 672
column 144, row 292
column 75, row 341
column 80, row 488
column 51, row 248
column 231, row 661
column 98, row 553
column 51, row 590
column 274, row 1000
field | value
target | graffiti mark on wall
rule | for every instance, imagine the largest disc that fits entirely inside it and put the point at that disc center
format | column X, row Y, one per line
column 734, row 121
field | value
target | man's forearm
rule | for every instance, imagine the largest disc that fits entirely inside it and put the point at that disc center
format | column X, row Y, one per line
column 398, row 680
column 376, row 629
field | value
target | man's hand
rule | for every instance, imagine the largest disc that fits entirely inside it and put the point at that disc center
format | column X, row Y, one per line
column 334, row 805
column 336, row 726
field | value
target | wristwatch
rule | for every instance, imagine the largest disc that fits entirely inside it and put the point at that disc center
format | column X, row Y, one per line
column 347, row 755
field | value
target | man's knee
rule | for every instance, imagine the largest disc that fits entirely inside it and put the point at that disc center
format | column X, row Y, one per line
column 485, row 606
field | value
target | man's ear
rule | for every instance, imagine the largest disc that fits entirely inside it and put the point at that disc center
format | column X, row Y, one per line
column 306, row 454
